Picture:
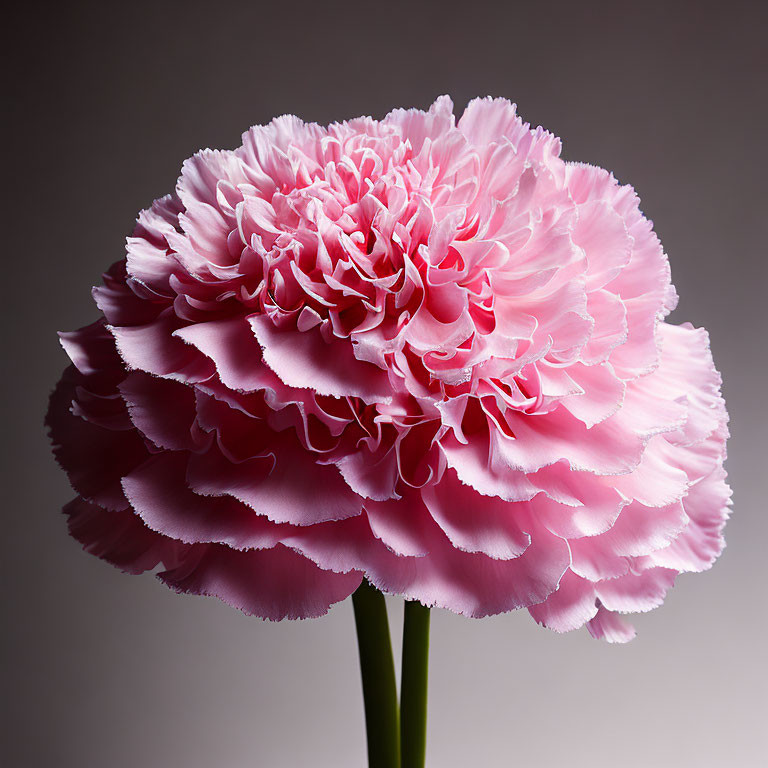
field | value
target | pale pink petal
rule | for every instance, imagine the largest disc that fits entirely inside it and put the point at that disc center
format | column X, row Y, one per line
column 203, row 174
column 634, row 593
column 575, row 504
column 638, row 531
column 605, row 449
column 603, row 393
column 707, row 506
column 417, row 126
column 655, row 482
column 147, row 250
column 570, row 607
column 610, row 627
column 603, row 235
column 488, row 120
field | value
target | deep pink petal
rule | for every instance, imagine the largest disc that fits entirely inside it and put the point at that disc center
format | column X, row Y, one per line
column 95, row 458
column 120, row 537
column 161, row 409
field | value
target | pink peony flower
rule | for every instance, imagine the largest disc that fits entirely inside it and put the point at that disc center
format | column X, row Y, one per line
column 428, row 354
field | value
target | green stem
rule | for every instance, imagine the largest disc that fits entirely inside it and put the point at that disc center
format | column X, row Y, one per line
column 413, row 695
column 378, row 672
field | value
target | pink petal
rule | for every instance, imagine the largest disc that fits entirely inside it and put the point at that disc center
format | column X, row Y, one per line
column 655, row 482
column 273, row 584
column 609, row 627
column 91, row 349
column 268, row 485
column 472, row 464
column 601, row 232
column 607, row 448
column 636, row 592
column 475, row 523
column 416, row 126
column 119, row 537
column 153, row 349
column 158, row 492
column 148, row 261
column 305, row 360
column 474, row 584
column 161, row 409
column 594, row 509
column 488, row 120
column 232, row 348
column 638, row 531
column 94, row 457
column 402, row 525
column 698, row 546
column 570, row 607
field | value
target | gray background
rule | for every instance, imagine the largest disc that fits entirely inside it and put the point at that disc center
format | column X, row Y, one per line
column 104, row 670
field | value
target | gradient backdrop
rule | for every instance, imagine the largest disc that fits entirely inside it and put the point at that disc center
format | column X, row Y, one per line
column 108, row 671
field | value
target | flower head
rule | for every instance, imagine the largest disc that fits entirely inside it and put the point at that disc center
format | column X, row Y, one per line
column 425, row 353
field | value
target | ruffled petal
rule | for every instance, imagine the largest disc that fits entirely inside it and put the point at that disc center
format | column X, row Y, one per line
column 636, row 592
column 570, row 607
column 120, row 538
column 95, row 458
column 272, row 584
column 161, row 409
column 474, row 584
column 305, row 360
column 154, row 349
column 268, row 485
column 474, row 523
column 159, row 494
column 233, row 349
column 610, row 627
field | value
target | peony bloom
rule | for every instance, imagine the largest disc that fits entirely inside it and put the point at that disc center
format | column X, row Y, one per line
column 425, row 353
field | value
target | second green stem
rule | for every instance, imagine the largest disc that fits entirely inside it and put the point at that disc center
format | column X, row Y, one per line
column 378, row 673
column 413, row 691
